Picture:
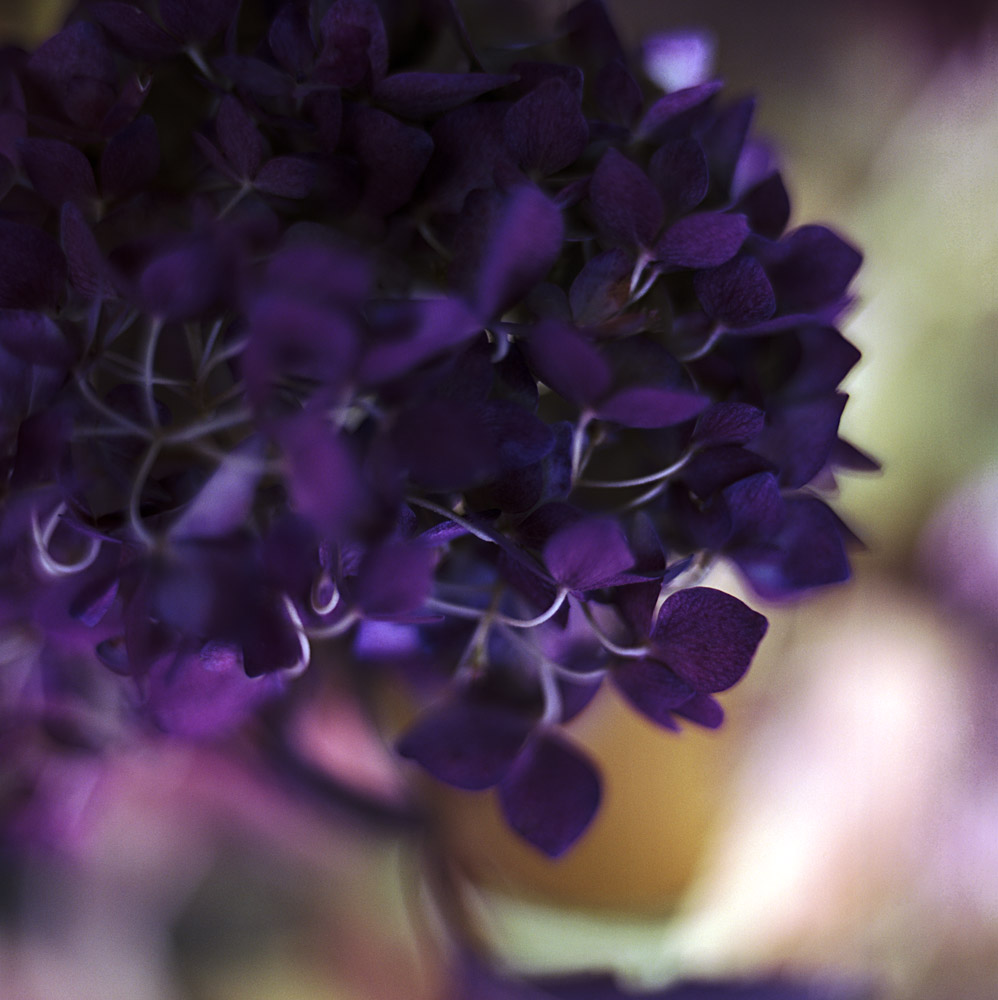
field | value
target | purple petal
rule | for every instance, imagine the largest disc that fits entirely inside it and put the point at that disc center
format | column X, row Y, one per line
column 353, row 37
column 650, row 406
column 32, row 267
column 767, row 206
column 667, row 108
column 707, row 637
column 327, row 276
column 625, row 206
column 437, row 325
column 131, row 159
column 601, row 289
column 322, row 473
column 57, row 171
column 737, row 293
column 207, row 694
column 653, row 689
column 799, row 437
column 618, row 94
column 286, row 177
column 394, row 155
column 679, row 170
column 714, row 468
column 521, row 248
column 724, row 140
column 423, row 94
column 756, row 507
column 239, row 138
column 728, row 423
column 291, row 40
column 702, row 709
column 584, row 555
column 545, row 131
column 811, row 267
column 520, row 437
column 566, row 362
column 551, row 795
column 197, row 20
column 446, row 445
column 225, row 503
column 808, row 552
column 394, row 578
column 183, row 283
column 706, row 239
column 134, row 31
column 466, row 745
column 87, row 270
column 679, row 59
column 34, row 338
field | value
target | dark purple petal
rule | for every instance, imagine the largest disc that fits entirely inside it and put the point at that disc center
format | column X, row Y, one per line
column 239, row 138
column 625, row 206
column 702, row 709
column 651, row 406
column 706, row 239
column 197, row 20
column 131, row 159
column 423, row 94
column 601, row 289
column 57, row 171
column 291, row 40
column 618, row 93
column 354, row 43
column 564, row 360
column 446, row 445
column 723, row 143
column 520, row 437
column 286, row 177
column 679, row 170
column 811, row 267
column 225, row 503
column 207, row 694
column 88, row 271
column 32, row 267
column 653, row 689
column 93, row 600
column 469, row 746
column 728, row 423
column 183, row 283
column 767, row 206
column 588, row 553
column 522, row 246
column 322, row 475
column 707, row 637
column 437, row 325
column 545, row 131
column 799, row 437
column 551, row 795
column 134, row 31
column 34, row 338
column 714, row 468
column 327, row 276
column 737, row 293
column 756, row 507
column 394, row 155
column 808, row 552
column 657, row 118
column 394, row 578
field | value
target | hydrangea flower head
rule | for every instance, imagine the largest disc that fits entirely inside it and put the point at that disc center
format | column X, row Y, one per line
column 333, row 337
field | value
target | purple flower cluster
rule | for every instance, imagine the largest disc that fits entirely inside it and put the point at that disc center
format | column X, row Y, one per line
column 323, row 329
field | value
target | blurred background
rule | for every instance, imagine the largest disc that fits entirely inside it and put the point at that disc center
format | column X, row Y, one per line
column 844, row 824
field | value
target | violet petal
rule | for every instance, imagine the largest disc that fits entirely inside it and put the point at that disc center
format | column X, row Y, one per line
column 286, row 177
column 584, row 555
column 625, row 206
column 545, row 131
column 650, row 406
column 737, row 293
column 58, row 171
column 131, row 159
column 679, row 170
column 424, row 94
column 568, row 363
column 394, row 578
column 551, row 795
column 707, row 637
column 653, row 689
column 34, row 338
column 705, row 239
column 32, row 267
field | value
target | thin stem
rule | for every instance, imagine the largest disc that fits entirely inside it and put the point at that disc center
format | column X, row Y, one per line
column 327, row 606
column 134, row 499
column 632, row 652
column 42, row 536
column 148, row 370
column 451, row 515
column 652, row 477
column 706, row 347
column 86, row 390
column 339, row 628
column 474, row 614
column 209, row 346
column 578, row 439
column 226, row 354
column 203, row 428
column 305, row 654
